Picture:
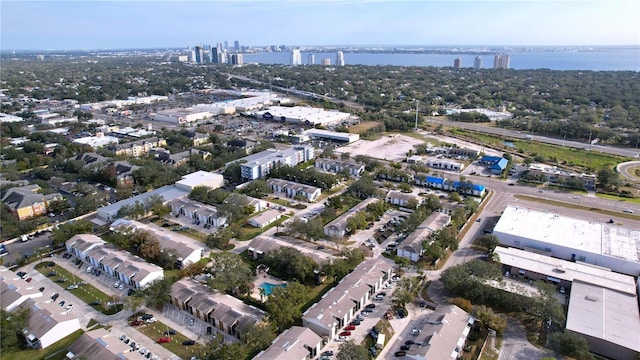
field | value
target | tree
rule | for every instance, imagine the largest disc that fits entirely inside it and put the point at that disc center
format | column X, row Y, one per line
column 158, row 292
column 134, row 302
column 258, row 336
column 234, row 207
column 257, row 189
column 155, row 205
column 67, row 230
column 218, row 349
column 462, row 303
column 230, row 273
column 150, row 249
column 490, row 319
column 11, row 325
column 350, row 351
column 547, row 305
column 284, row 304
column 570, row 344
column 220, row 239
column 290, row 263
column 608, row 178
column 489, row 242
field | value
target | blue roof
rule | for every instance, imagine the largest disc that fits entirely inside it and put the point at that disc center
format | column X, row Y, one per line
column 435, row 180
column 490, row 159
column 501, row 164
column 476, row 187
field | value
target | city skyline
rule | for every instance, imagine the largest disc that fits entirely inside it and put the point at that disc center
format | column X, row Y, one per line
column 75, row 25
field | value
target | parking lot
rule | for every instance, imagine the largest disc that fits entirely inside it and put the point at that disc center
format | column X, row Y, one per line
column 199, row 328
column 105, row 281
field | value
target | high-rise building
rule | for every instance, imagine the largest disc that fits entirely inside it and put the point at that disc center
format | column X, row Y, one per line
column 311, row 59
column 501, row 61
column 326, row 61
column 199, row 55
column 340, row 58
column 477, row 63
column 296, row 57
column 217, row 56
column 226, row 45
column 457, row 63
column 236, row 59
column 236, row 45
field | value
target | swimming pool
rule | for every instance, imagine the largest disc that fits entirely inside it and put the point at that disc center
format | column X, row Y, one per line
column 268, row 288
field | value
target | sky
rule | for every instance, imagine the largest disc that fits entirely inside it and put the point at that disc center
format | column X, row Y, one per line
column 71, row 25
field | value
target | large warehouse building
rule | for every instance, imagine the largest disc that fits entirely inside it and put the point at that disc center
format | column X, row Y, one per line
column 303, row 114
column 607, row 245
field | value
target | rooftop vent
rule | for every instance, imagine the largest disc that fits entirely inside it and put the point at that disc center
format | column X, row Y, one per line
column 591, row 298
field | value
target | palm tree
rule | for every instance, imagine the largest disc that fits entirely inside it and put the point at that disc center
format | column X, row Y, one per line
column 262, row 293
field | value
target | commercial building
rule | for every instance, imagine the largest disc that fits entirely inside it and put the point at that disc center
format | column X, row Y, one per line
column 294, row 190
column 183, row 249
column 466, row 187
column 445, row 165
column 181, row 115
column 195, row 211
column 98, row 141
column 200, row 178
column 340, row 304
column 305, row 115
column 25, row 202
column 223, row 312
column 295, row 343
column 495, row 164
column 607, row 245
column 257, row 166
column 122, row 266
column 338, row 227
column 265, row 218
column 596, row 298
column 412, row 246
column 327, row 135
column 107, row 214
column 337, row 166
column 557, row 176
column 443, row 334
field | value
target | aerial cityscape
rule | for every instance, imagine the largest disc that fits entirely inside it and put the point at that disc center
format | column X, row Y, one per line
column 320, row 180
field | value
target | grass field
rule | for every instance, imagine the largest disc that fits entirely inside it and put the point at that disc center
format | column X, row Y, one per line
column 363, row 127
column 87, row 292
column 155, row 331
column 57, row 351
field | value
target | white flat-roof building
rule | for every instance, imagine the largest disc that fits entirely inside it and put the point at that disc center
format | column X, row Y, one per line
column 97, row 141
column 610, row 246
column 257, row 166
column 332, row 135
column 200, row 178
column 265, row 218
column 304, row 115
column 181, row 115
column 603, row 305
column 6, row 118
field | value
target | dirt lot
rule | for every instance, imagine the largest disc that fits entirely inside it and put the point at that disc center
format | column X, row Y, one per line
column 363, row 127
column 392, row 147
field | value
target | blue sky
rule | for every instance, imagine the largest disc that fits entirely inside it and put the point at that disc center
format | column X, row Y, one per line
column 149, row 24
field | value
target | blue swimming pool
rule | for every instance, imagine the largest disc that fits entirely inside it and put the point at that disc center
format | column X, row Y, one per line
column 268, row 288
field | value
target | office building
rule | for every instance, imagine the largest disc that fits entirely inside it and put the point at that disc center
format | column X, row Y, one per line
column 501, row 61
column 477, row 63
column 236, row 45
column 199, row 55
column 311, row 59
column 236, row 59
column 226, row 45
column 296, row 57
column 340, row 58
column 457, row 63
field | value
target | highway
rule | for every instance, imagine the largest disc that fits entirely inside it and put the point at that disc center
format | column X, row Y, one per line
column 628, row 152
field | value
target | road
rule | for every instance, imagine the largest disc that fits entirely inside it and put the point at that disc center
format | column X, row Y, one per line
column 627, row 169
column 515, row 345
column 628, row 152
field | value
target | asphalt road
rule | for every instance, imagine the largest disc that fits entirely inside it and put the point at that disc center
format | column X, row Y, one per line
column 19, row 249
column 629, row 152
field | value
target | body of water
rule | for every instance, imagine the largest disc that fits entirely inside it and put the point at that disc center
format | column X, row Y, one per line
column 268, row 287
column 614, row 60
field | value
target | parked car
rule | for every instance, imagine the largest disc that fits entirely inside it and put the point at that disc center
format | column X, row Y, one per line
column 116, row 284
column 415, row 331
column 350, row 327
column 188, row 342
column 21, row 274
column 28, row 279
column 89, row 269
column 400, row 353
column 328, row 353
column 70, row 307
column 41, row 289
column 409, row 342
column 61, row 303
column 191, row 321
column 54, row 297
column 628, row 211
column 146, row 316
column 136, row 323
column 71, row 287
column 345, row 333
column 370, row 306
column 152, row 320
column 170, row 332
column 341, row 338
column 405, row 347
column 355, row 322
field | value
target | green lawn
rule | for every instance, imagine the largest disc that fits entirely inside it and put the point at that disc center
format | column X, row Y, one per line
column 248, row 232
column 155, row 331
column 87, row 292
column 57, row 351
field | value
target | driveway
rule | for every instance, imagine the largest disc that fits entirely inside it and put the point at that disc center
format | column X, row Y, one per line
column 515, row 345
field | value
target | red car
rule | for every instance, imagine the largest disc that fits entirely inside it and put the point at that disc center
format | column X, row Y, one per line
column 164, row 340
column 345, row 333
column 350, row 327
column 136, row 323
column 29, row 279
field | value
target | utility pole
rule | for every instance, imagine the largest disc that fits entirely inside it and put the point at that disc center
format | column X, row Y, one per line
column 589, row 146
column 417, row 103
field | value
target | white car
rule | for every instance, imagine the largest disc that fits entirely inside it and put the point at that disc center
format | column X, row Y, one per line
column 151, row 320
column 415, row 331
column 116, row 284
column 341, row 338
column 628, row 211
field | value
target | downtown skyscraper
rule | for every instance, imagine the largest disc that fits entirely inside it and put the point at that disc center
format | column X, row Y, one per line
column 477, row 63
column 340, row 58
